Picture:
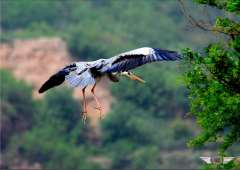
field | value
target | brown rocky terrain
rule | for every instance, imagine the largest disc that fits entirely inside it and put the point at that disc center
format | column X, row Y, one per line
column 35, row 60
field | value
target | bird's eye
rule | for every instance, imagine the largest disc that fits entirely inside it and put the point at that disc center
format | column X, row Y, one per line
column 128, row 73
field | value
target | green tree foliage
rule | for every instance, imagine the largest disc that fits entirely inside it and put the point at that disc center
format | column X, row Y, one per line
column 17, row 106
column 57, row 139
column 35, row 30
column 22, row 13
column 53, row 149
column 90, row 31
column 144, row 159
column 59, row 105
column 83, row 41
column 214, row 82
column 230, row 5
column 48, row 131
column 119, row 33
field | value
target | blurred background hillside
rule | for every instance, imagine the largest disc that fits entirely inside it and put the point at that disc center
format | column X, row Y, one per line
column 145, row 124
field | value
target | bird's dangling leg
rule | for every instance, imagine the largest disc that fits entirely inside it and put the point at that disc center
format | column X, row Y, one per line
column 101, row 115
column 84, row 118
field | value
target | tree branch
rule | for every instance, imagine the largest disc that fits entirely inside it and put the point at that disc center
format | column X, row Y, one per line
column 204, row 26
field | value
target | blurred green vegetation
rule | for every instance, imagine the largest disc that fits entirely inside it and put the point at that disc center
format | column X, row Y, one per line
column 97, row 29
column 16, row 106
column 146, row 127
column 53, row 127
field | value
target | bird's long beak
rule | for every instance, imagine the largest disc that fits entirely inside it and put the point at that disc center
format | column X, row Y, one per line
column 136, row 78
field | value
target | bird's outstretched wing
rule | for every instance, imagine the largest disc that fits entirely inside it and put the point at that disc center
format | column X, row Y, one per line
column 54, row 80
column 81, row 78
column 135, row 58
column 58, row 78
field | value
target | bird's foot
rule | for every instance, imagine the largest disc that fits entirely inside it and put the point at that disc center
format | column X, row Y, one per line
column 101, row 115
column 84, row 118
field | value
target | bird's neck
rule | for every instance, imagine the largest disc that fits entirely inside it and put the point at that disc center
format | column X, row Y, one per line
column 114, row 77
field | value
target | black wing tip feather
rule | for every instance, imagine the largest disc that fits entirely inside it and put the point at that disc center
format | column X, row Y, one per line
column 41, row 90
column 175, row 55
column 52, row 82
column 55, row 80
column 172, row 54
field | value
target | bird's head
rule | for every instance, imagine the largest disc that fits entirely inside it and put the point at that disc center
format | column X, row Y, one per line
column 131, row 76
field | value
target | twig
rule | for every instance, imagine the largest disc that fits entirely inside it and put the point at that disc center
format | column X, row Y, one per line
column 204, row 26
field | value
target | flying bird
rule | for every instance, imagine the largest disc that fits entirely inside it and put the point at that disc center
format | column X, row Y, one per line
column 88, row 73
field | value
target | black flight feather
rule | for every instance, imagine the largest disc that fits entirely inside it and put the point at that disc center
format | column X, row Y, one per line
column 54, row 80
